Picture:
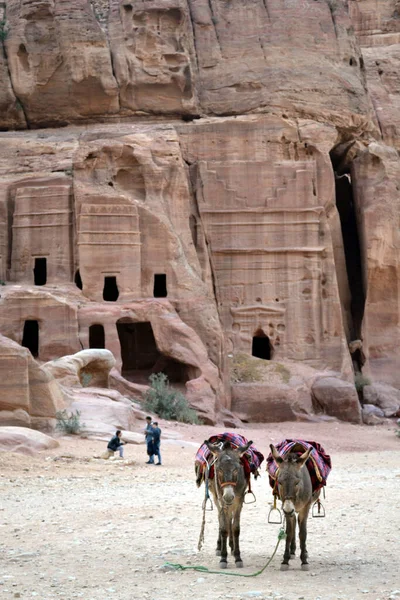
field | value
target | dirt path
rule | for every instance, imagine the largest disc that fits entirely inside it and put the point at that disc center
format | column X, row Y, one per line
column 72, row 527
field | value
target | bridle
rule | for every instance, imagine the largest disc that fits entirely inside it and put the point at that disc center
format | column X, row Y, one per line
column 232, row 483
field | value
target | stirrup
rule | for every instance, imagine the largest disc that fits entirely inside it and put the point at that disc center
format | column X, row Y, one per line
column 316, row 510
column 250, row 501
column 272, row 517
column 204, row 505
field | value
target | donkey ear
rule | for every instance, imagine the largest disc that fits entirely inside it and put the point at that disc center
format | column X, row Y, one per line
column 277, row 457
column 212, row 448
column 304, row 457
column 243, row 449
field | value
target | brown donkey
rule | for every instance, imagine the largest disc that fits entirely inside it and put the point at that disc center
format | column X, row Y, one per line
column 228, row 488
column 296, row 493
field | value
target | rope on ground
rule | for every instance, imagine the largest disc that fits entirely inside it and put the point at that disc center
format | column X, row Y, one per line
column 201, row 569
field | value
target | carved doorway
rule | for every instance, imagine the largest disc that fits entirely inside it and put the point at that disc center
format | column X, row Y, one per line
column 110, row 290
column 261, row 346
column 160, row 286
column 96, row 336
column 40, row 271
column 30, row 337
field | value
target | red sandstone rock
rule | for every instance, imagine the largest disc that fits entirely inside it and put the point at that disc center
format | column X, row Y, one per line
column 25, row 441
column 235, row 216
column 336, row 398
column 59, row 61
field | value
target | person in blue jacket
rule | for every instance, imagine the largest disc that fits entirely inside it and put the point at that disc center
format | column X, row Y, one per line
column 156, row 441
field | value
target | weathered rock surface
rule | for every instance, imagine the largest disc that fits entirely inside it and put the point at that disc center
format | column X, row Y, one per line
column 259, row 403
column 336, row 398
column 29, row 394
column 372, row 415
column 85, row 368
column 383, row 396
column 71, row 62
column 269, row 226
column 24, row 440
column 101, row 411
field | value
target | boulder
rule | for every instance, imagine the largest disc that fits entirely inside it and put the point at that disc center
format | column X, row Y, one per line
column 24, row 440
column 27, row 390
column 261, row 403
column 372, row 415
column 383, row 396
column 102, row 411
column 15, row 418
column 87, row 367
column 336, row 398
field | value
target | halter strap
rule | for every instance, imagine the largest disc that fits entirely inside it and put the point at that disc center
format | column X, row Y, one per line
column 233, row 483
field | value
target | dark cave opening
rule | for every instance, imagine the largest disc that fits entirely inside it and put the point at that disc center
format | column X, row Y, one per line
column 40, row 271
column 352, row 251
column 160, row 286
column 110, row 290
column 261, row 346
column 96, row 336
column 78, row 280
column 141, row 357
column 30, row 337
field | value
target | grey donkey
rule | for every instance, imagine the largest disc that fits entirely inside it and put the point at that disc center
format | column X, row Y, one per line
column 228, row 488
column 296, row 493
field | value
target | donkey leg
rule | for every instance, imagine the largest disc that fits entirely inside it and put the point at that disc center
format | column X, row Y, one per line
column 223, row 534
column 218, row 550
column 303, row 516
column 293, row 542
column 236, row 533
column 230, row 535
column 290, row 529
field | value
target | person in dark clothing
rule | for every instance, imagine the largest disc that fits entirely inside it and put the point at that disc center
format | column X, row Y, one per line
column 156, row 441
column 148, row 432
column 116, row 444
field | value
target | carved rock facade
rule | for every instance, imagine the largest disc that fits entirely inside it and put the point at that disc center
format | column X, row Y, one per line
column 228, row 182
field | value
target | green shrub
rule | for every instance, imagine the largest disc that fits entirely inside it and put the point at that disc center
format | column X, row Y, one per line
column 166, row 402
column 360, row 381
column 3, row 31
column 69, row 422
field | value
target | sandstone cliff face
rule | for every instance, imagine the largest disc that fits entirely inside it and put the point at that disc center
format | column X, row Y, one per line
column 227, row 181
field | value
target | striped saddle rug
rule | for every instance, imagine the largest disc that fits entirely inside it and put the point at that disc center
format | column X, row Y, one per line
column 319, row 464
column 251, row 460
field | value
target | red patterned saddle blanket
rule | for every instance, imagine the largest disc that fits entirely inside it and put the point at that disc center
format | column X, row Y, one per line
column 251, row 460
column 319, row 464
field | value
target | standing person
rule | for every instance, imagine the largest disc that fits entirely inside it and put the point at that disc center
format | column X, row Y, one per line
column 116, row 444
column 156, row 441
column 148, row 432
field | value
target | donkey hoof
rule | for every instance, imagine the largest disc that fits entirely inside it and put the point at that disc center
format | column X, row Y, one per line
column 218, row 553
column 284, row 567
column 223, row 564
column 239, row 564
column 305, row 567
column 292, row 554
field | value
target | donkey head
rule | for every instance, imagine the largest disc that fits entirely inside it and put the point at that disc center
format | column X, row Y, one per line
column 229, row 473
column 289, row 476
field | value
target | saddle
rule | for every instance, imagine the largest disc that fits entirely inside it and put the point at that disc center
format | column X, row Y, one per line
column 319, row 464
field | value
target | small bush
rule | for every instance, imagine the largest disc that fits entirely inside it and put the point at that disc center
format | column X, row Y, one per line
column 166, row 402
column 69, row 423
column 360, row 381
column 3, row 31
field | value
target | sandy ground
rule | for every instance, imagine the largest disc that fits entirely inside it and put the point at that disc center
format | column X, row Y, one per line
column 76, row 527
